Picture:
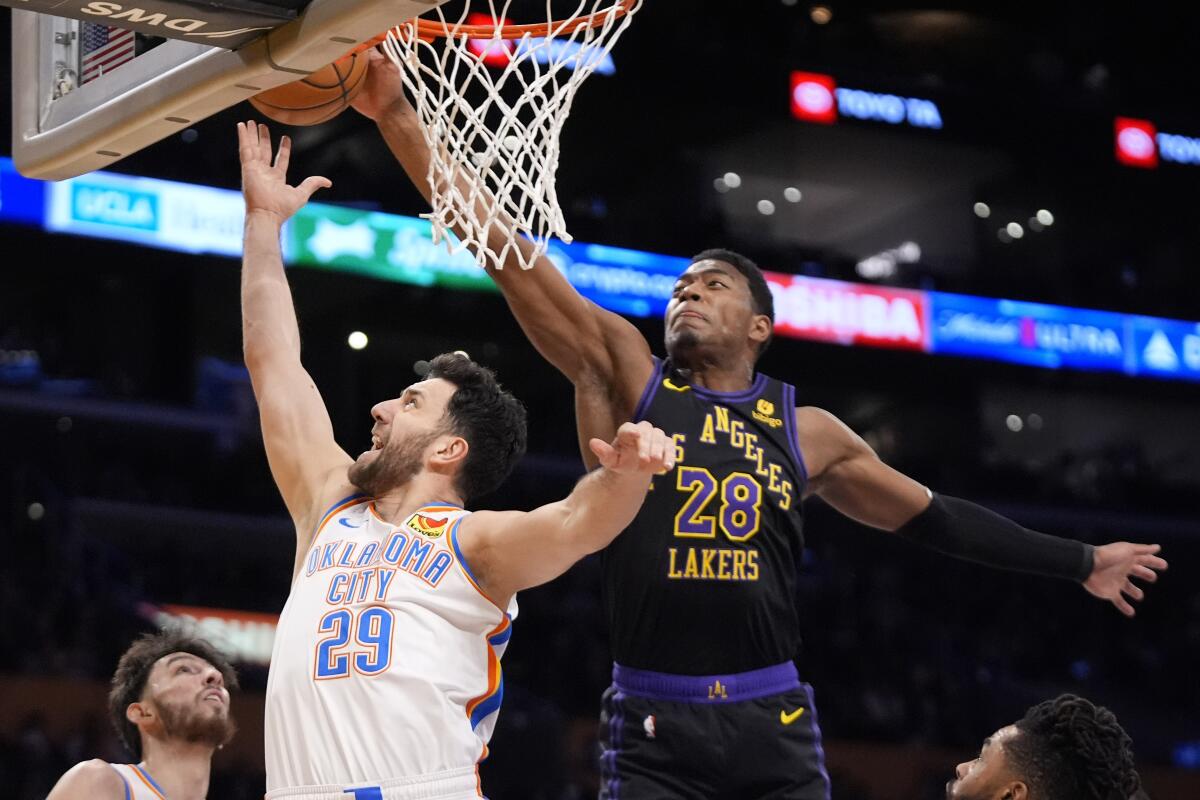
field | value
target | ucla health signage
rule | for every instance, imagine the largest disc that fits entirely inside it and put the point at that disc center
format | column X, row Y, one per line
column 174, row 216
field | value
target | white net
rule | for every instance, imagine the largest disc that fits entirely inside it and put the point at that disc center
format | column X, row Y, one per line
column 491, row 112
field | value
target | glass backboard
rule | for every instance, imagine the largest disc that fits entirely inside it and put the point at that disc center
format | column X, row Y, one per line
column 89, row 93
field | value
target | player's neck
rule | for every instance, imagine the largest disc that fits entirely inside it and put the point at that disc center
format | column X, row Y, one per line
column 732, row 376
column 425, row 489
column 181, row 769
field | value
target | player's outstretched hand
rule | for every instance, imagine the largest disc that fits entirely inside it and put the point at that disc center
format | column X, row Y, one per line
column 264, row 182
column 1116, row 565
column 382, row 90
column 639, row 447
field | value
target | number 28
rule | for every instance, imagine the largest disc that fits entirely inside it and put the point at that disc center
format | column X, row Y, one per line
column 741, row 505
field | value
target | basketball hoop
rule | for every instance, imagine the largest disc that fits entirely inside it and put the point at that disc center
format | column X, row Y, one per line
column 492, row 98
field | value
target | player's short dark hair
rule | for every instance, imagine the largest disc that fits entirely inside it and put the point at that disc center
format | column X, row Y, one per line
column 1070, row 749
column 133, row 670
column 489, row 418
column 761, row 299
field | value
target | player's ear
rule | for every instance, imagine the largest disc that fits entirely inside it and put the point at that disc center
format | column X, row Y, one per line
column 139, row 713
column 760, row 328
column 450, row 452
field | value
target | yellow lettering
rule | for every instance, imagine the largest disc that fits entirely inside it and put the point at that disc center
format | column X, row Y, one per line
column 751, row 441
column 737, row 434
column 706, row 435
column 722, row 418
column 760, row 469
column 739, row 565
column 679, row 439
column 713, row 564
column 786, row 502
column 773, row 479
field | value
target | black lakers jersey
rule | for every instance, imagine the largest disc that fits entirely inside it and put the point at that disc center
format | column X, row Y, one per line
column 703, row 581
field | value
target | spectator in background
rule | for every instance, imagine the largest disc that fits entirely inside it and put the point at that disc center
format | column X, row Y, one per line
column 1063, row 749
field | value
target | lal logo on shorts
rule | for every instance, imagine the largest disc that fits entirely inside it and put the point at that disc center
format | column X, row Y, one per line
column 427, row 526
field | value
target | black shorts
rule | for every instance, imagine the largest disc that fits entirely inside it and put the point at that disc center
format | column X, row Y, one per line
column 749, row 736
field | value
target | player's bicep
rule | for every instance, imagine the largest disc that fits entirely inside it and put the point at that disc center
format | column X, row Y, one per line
column 508, row 551
column 297, row 434
column 89, row 780
column 846, row 473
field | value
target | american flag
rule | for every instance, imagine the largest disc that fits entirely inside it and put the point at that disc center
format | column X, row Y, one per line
column 104, row 48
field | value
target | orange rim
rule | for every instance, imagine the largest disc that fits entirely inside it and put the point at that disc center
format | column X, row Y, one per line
column 429, row 29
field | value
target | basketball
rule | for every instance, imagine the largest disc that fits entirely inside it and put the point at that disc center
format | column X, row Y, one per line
column 318, row 98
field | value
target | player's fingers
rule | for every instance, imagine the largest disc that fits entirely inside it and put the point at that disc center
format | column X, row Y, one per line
column 1146, row 548
column 1123, row 605
column 1133, row 591
column 247, row 141
column 284, row 155
column 1154, row 562
column 628, row 438
column 658, row 448
column 603, row 450
column 264, row 143
column 1145, row 573
column 312, row 184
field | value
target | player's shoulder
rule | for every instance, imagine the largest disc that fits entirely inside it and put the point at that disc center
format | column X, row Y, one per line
column 818, row 427
column 89, row 779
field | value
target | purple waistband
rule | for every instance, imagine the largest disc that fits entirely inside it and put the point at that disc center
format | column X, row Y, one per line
column 706, row 688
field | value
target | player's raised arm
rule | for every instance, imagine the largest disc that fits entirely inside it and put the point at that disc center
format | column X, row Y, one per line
column 845, row 472
column 513, row 550
column 584, row 341
column 296, row 429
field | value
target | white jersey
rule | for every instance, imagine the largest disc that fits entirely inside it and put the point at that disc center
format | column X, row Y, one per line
column 138, row 783
column 386, row 662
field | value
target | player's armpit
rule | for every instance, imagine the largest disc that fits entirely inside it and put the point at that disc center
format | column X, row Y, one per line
column 89, row 780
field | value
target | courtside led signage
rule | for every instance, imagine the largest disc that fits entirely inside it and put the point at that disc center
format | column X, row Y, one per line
column 812, row 98
column 818, row 98
column 1135, row 143
column 499, row 52
column 1140, row 144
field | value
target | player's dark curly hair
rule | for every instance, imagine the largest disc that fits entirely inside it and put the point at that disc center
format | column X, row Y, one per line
column 129, row 681
column 760, row 292
column 489, row 418
column 1070, row 749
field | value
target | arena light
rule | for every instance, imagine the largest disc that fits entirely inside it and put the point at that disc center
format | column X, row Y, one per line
column 982, row 210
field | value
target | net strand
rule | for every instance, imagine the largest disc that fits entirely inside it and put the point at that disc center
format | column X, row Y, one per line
column 493, row 132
